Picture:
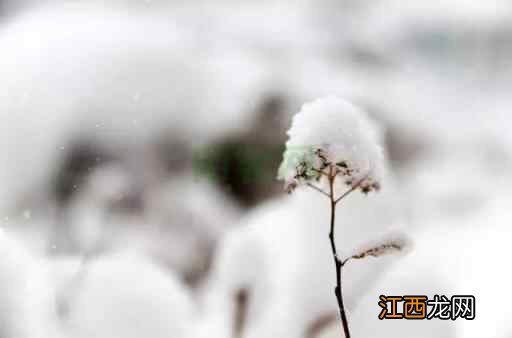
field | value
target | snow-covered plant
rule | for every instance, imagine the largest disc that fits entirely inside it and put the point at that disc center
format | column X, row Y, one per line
column 334, row 148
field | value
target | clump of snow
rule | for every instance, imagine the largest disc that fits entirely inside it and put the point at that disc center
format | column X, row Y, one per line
column 186, row 217
column 26, row 297
column 100, row 83
column 127, row 295
column 89, row 210
column 344, row 135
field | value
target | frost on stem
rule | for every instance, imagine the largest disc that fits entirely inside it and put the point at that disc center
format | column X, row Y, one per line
column 332, row 141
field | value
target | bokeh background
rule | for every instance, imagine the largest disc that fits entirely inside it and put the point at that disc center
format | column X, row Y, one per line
column 139, row 149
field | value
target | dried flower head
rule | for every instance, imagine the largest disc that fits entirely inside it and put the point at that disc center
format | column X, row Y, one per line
column 332, row 134
column 390, row 244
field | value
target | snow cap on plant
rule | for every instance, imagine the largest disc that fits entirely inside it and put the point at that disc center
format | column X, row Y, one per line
column 333, row 134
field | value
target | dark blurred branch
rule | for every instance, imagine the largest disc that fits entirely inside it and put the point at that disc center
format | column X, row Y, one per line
column 240, row 315
column 319, row 324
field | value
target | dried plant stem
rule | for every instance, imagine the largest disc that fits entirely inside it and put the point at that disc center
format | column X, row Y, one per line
column 337, row 262
column 318, row 189
column 346, row 193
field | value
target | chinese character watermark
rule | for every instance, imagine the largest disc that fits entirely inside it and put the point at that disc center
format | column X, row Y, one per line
column 420, row 307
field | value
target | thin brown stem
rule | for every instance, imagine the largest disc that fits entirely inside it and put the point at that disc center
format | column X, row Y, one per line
column 354, row 187
column 320, row 172
column 318, row 189
column 337, row 262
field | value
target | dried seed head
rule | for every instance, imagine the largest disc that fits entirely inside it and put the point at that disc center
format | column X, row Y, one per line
column 333, row 136
column 392, row 244
column 381, row 250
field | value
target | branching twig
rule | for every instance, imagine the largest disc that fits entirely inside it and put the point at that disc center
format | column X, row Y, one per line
column 337, row 262
column 354, row 187
column 331, row 171
column 320, row 172
column 316, row 156
column 318, row 189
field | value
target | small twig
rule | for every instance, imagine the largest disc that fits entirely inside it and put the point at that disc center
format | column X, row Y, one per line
column 337, row 262
column 318, row 189
column 354, row 187
column 377, row 251
column 320, row 172
column 345, row 261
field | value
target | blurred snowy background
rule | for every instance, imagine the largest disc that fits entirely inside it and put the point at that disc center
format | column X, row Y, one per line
column 140, row 143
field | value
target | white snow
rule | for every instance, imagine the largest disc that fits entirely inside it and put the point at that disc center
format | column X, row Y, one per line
column 27, row 308
column 340, row 129
column 127, row 295
column 125, row 72
column 282, row 257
